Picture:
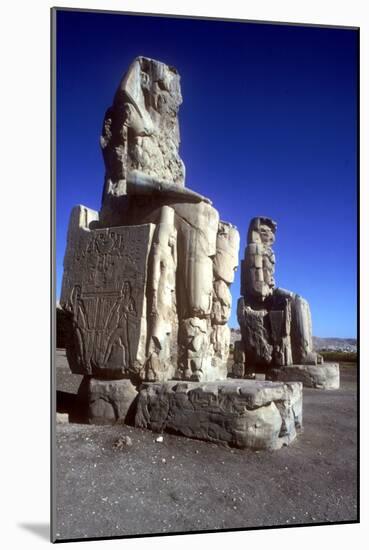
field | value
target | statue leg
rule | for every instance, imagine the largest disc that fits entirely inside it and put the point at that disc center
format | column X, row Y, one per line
column 162, row 318
column 256, row 338
column 197, row 226
column 301, row 333
column 301, row 329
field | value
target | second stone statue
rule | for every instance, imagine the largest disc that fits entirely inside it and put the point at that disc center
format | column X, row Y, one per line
column 276, row 325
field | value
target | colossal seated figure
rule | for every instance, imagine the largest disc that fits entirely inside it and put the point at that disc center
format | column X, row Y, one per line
column 275, row 323
column 146, row 280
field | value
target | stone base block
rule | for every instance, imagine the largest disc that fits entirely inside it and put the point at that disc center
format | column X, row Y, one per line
column 242, row 413
column 215, row 371
column 62, row 418
column 323, row 377
column 110, row 401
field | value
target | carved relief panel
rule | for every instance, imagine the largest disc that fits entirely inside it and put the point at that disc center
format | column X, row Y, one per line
column 104, row 292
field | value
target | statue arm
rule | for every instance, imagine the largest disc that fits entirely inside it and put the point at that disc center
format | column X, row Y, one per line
column 139, row 183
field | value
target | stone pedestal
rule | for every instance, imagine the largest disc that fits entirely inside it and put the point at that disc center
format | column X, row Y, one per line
column 62, row 418
column 110, row 401
column 243, row 413
column 322, row 377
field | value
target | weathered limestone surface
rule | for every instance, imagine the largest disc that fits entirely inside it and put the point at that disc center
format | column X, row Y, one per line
column 104, row 292
column 242, row 413
column 140, row 130
column 110, row 401
column 140, row 142
column 227, row 247
column 62, row 418
column 238, row 369
column 62, row 326
column 220, row 342
column 162, row 310
column 225, row 263
column 275, row 323
column 146, row 279
column 322, row 377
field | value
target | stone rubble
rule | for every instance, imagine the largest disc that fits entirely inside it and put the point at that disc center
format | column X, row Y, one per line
column 321, row 377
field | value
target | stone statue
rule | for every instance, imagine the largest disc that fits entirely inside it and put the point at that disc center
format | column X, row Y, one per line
column 275, row 323
column 152, row 269
column 140, row 136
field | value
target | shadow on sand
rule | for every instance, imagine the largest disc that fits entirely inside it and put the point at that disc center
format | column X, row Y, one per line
column 40, row 529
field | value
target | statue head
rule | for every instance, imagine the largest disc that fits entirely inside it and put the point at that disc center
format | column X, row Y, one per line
column 257, row 278
column 262, row 230
column 141, row 130
column 151, row 86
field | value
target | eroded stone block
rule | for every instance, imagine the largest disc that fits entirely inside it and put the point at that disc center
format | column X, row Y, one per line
column 220, row 341
column 62, row 418
column 104, row 292
column 325, row 376
column 110, row 401
column 246, row 413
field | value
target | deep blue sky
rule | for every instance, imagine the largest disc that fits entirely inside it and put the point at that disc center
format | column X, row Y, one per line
column 268, row 127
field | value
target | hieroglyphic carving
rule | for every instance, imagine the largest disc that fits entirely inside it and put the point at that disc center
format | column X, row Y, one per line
column 118, row 348
column 104, row 291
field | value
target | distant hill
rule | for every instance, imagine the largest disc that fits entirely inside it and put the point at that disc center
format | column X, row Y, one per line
column 345, row 344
